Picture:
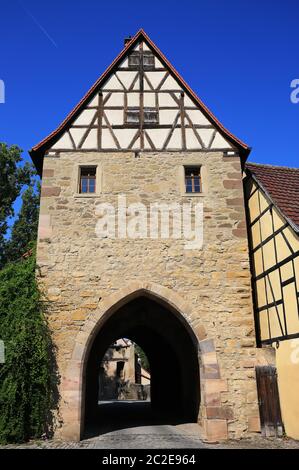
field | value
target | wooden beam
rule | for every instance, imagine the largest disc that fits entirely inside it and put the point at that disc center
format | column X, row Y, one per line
column 141, row 99
column 100, row 121
column 182, row 114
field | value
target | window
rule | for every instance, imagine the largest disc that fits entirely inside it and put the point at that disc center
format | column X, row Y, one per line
column 134, row 60
column 133, row 116
column 148, row 60
column 87, row 179
column 192, row 179
column 150, row 116
column 120, row 365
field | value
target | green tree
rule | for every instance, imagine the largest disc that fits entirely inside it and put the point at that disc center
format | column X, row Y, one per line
column 12, row 178
column 24, row 230
column 28, row 378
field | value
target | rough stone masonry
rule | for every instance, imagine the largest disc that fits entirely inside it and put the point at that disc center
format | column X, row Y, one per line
column 81, row 274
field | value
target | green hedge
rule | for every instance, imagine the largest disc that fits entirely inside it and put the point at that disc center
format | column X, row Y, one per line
column 28, row 378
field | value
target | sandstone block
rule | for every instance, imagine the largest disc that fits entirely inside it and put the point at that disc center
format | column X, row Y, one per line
column 215, row 430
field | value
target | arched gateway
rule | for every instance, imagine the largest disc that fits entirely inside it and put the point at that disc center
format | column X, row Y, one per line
column 157, row 319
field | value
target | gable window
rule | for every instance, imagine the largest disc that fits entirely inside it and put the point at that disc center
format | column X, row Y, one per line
column 148, row 60
column 150, row 116
column 134, row 60
column 87, row 179
column 192, row 179
column 133, row 116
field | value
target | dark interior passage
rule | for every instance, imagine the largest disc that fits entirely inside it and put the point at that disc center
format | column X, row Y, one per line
column 171, row 350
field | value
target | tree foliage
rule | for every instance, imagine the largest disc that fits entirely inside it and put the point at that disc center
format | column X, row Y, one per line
column 12, row 178
column 143, row 358
column 24, row 230
column 28, row 378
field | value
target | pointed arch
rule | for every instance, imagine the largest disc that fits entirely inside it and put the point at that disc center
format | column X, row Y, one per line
column 73, row 383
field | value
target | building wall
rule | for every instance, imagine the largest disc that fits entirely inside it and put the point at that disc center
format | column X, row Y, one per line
column 278, row 255
column 78, row 271
column 109, row 379
column 287, row 363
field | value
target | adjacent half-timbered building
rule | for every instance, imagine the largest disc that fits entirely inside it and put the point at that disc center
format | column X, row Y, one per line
column 272, row 195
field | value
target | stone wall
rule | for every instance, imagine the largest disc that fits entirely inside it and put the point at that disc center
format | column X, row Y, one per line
column 78, row 270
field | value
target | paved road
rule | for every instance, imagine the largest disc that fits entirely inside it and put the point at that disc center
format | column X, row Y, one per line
column 132, row 425
column 146, row 437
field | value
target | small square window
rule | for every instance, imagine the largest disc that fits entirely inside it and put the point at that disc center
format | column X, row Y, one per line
column 150, row 116
column 134, row 60
column 133, row 116
column 192, row 179
column 148, row 60
column 87, row 179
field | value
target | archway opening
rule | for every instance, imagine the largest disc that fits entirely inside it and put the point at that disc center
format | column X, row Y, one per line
column 171, row 348
column 124, row 373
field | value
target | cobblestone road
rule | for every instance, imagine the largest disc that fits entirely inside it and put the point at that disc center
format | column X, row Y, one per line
column 157, row 437
column 137, row 428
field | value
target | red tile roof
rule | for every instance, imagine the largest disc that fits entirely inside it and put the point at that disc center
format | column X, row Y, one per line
column 282, row 185
column 37, row 152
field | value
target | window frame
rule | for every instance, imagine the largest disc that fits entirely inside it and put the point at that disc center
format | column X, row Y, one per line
column 150, row 66
column 193, row 185
column 131, row 65
column 132, row 109
column 146, row 123
column 136, row 66
column 153, row 111
column 93, row 177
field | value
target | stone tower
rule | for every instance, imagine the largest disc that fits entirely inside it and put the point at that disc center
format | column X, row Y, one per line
column 141, row 133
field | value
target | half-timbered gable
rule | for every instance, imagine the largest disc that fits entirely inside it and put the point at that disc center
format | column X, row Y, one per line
column 140, row 103
column 273, row 221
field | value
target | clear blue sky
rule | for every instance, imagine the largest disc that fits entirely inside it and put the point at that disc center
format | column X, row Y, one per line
column 238, row 56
